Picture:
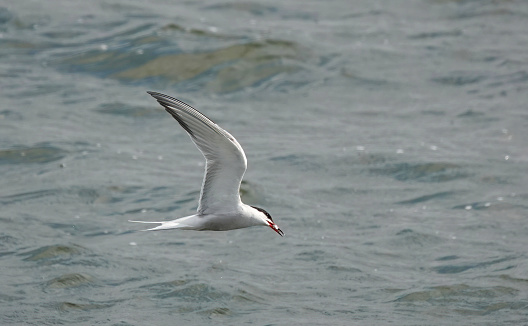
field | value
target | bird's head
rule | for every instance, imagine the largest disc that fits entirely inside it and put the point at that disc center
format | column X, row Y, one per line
column 269, row 221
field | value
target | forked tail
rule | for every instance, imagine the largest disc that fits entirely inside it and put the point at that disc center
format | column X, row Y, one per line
column 167, row 225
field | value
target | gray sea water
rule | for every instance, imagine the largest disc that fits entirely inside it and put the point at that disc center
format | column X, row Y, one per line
column 388, row 139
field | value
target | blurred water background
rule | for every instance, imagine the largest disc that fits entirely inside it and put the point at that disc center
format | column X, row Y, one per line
column 388, row 139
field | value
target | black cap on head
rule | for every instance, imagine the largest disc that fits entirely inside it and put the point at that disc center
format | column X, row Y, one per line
column 263, row 211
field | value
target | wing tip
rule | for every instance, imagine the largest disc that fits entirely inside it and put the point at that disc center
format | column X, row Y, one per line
column 162, row 97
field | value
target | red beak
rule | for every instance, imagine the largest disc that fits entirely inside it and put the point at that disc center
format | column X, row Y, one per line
column 275, row 228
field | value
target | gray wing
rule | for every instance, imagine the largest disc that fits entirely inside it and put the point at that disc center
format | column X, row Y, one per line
column 225, row 159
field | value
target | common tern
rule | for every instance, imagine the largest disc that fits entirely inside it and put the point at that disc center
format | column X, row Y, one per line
column 219, row 207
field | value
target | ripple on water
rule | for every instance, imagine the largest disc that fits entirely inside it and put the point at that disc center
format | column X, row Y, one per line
column 424, row 198
column 229, row 68
column 211, row 313
column 247, row 296
column 469, row 300
column 457, row 292
column 409, row 238
column 455, row 269
column 71, row 306
column 70, row 281
column 54, row 252
column 235, row 66
column 459, row 79
column 111, row 194
column 126, row 110
column 8, row 243
column 305, row 162
column 40, row 153
column 187, row 290
column 422, row 172
column 64, row 255
column 249, row 7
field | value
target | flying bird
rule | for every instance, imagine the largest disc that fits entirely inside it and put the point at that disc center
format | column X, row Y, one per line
column 219, row 207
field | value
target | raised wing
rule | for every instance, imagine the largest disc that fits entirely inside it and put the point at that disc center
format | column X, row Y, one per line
column 225, row 159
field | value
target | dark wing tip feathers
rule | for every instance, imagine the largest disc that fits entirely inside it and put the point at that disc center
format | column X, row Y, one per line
column 162, row 98
column 165, row 100
column 179, row 119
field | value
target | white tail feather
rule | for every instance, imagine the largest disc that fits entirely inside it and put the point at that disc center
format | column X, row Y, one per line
column 167, row 225
column 147, row 222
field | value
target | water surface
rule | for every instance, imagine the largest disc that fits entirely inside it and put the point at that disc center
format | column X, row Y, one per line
column 387, row 139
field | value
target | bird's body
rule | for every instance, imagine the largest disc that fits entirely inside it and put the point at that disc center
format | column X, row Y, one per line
column 242, row 218
column 220, row 207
